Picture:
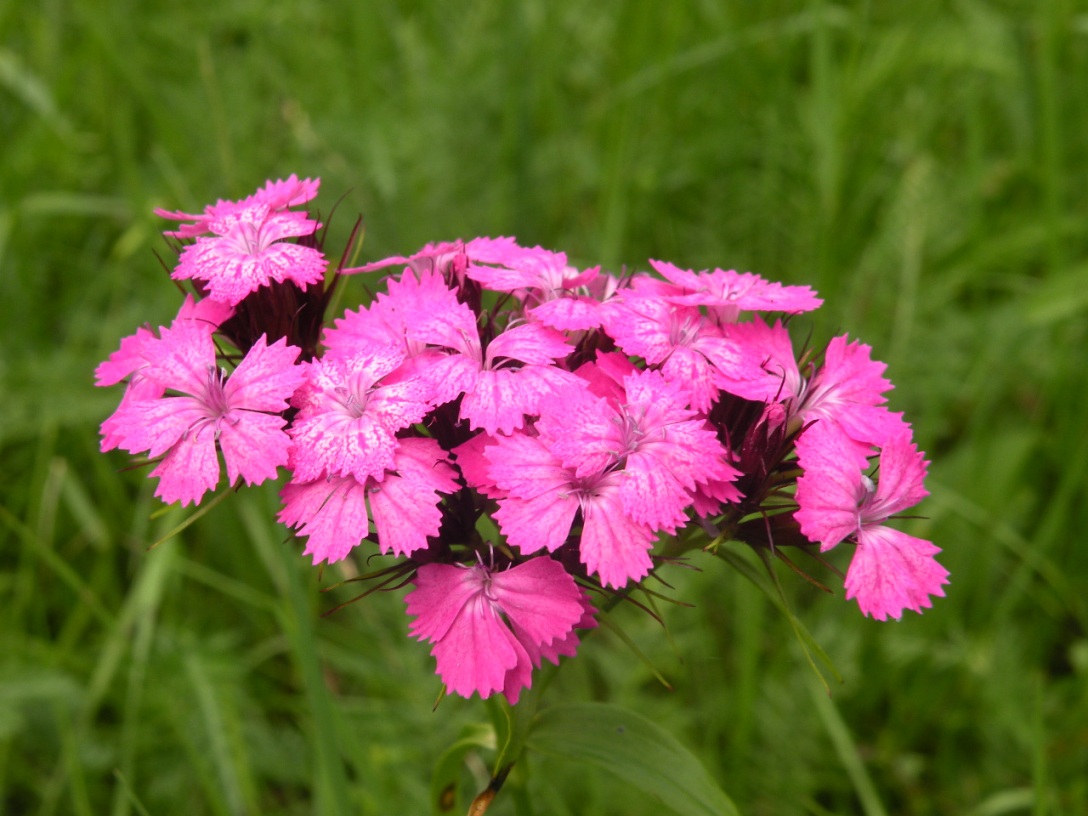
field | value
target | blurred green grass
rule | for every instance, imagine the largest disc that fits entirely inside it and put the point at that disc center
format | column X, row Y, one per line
column 921, row 164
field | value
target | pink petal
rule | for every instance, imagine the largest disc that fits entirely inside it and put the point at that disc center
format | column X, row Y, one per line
column 331, row 512
column 892, row 571
column 613, row 545
column 573, row 313
column 182, row 358
column 127, row 359
column 478, row 651
column 190, row 469
column 540, row 522
column 266, row 378
column 405, row 503
column 157, row 425
column 540, row 598
column 474, row 649
column 766, row 367
column 830, row 489
column 902, row 478
column 254, row 445
column 528, row 343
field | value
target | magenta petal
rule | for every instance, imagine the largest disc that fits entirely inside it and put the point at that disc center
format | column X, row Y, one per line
column 405, row 503
column 540, row 597
column 266, row 378
column 190, row 469
column 529, row 343
column 477, row 652
column 892, row 571
column 182, row 359
column 332, row 513
column 127, row 359
column 830, row 489
column 902, row 477
column 472, row 645
column 254, row 445
column 568, row 313
column 157, row 425
column 501, row 399
column 614, row 546
column 543, row 521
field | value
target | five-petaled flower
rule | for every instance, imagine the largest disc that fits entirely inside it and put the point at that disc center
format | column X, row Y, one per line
column 197, row 409
column 890, row 571
column 491, row 627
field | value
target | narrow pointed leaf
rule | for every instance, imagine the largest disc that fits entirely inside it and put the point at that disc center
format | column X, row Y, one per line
column 633, row 748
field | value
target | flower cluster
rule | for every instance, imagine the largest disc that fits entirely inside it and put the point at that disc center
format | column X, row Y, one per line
column 596, row 420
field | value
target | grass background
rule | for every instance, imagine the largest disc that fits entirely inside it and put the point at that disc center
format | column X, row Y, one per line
column 922, row 164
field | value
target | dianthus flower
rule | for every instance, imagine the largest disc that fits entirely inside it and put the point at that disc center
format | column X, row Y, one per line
column 539, row 498
column 239, row 413
column 552, row 291
column 490, row 627
column 727, row 293
column 132, row 357
column 350, row 408
column 890, row 571
column 664, row 449
column 247, row 249
column 689, row 348
column 846, row 392
column 276, row 195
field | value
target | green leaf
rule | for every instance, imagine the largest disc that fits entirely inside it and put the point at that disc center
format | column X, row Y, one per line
column 636, row 750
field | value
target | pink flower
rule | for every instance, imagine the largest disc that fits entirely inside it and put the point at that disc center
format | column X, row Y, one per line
column 689, row 348
column 490, row 628
column 138, row 351
column 846, row 392
column 553, row 292
column 276, row 195
column 891, row 571
column 727, row 293
column 625, row 465
column 539, row 498
column 350, row 408
column 332, row 511
column 238, row 414
column 502, row 384
column 249, row 251
column 663, row 448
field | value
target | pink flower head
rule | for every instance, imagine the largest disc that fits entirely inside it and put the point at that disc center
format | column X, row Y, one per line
column 663, row 449
column 350, row 409
column 891, row 571
column 138, row 351
column 540, row 497
column 490, row 627
column 238, row 414
column 688, row 347
column 276, row 195
column 727, row 293
column 553, row 292
column 500, row 385
column 333, row 511
column 248, row 251
column 846, row 392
